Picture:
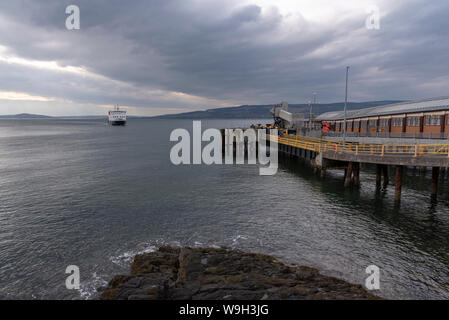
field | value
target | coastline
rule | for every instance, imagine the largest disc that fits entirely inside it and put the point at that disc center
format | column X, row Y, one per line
column 173, row 273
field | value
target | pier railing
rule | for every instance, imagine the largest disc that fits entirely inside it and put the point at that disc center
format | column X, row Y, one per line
column 322, row 145
column 401, row 135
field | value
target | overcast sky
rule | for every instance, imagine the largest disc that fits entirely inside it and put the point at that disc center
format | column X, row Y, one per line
column 165, row 56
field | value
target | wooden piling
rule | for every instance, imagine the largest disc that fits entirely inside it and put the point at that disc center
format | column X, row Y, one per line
column 348, row 175
column 398, row 183
column 422, row 170
column 378, row 174
column 443, row 172
column 385, row 174
column 434, row 186
column 356, row 170
column 323, row 172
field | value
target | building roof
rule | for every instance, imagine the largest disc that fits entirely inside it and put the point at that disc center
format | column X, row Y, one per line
column 426, row 105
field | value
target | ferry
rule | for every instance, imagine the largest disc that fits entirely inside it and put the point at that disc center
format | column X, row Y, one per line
column 117, row 117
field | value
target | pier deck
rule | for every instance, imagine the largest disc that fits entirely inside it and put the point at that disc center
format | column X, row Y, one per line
column 327, row 153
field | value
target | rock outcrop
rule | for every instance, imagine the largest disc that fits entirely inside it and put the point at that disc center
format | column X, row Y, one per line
column 209, row 273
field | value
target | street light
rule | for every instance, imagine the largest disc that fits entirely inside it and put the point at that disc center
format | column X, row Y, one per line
column 310, row 111
column 310, row 115
column 314, row 102
column 346, row 102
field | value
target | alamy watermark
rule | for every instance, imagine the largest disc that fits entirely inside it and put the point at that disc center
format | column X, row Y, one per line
column 372, row 282
column 72, row 282
column 236, row 141
column 372, row 22
column 72, row 22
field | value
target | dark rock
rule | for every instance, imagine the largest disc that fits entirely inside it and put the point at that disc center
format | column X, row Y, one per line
column 101, row 289
column 210, row 273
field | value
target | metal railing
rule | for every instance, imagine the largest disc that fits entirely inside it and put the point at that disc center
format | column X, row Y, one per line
column 322, row 145
column 401, row 135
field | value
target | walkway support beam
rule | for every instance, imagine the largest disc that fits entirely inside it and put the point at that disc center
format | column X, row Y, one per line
column 378, row 174
column 398, row 183
column 385, row 174
column 435, row 175
column 356, row 170
column 348, row 175
column 323, row 172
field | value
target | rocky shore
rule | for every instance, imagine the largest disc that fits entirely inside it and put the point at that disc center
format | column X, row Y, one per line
column 209, row 273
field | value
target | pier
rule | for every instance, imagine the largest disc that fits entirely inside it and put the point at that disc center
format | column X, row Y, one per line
column 325, row 154
column 390, row 137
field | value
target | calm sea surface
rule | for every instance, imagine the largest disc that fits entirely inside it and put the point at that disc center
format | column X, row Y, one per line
column 80, row 192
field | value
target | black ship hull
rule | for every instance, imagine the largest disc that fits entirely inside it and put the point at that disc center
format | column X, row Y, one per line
column 118, row 123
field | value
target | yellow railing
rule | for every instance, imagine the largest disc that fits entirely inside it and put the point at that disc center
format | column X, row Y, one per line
column 322, row 145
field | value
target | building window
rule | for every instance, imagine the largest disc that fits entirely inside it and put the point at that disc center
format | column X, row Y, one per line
column 350, row 125
column 436, row 121
column 363, row 124
column 397, row 122
column 433, row 120
column 357, row 124
column 384, row 123
column 413, row 122
column 373, row 123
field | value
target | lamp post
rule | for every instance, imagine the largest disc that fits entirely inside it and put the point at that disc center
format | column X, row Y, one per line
column 310, row 115
column 346, row 102
column 314, row 102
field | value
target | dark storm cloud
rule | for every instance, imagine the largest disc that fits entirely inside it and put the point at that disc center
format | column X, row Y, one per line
column 225, row 51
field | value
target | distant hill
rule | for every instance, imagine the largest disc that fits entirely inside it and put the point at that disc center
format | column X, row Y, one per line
column 240, row 112
column 24, row 116
column 263, row 111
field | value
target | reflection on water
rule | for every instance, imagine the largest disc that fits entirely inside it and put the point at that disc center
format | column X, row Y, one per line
column 81, row 192
column 413, row 232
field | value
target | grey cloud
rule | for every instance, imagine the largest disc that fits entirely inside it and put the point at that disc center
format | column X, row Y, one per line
column 224, row 50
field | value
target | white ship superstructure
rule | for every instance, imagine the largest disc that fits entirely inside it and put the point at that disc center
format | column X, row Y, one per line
column 117, row 117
